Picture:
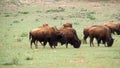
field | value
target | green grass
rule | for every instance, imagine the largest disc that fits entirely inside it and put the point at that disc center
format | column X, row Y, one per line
column 60, row 57
column 14, row 42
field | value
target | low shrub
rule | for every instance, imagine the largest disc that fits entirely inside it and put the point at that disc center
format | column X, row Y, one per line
column 15, row 21
column 19, row 39
column 90, row 15
column 24, row 35
column 38, row 11
column 23, row 12
column 116, row 16
column 37, row 20
column 76, row 23
column 14, row 61
column 7, row 15
column 29, row 58
column 58, row 18
column 59, row 9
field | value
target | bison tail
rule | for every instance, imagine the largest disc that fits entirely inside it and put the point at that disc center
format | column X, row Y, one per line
column 30, row 35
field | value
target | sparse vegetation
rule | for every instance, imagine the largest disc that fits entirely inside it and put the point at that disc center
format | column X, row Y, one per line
column 16, row 21
column 91, row 16
column 37, row 20
column 59, row 9
column 116, row 16
column 23, row 12
column 29, row 58
column 14, row 61
column 76, row 23
column 58, row 18
column 19, row 39
column 83, row 14
column 7, row 15
column 24, row 35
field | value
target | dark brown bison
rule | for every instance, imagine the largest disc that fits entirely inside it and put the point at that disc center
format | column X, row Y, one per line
column 67, row 25
column 114, row 27
column 101, row 33
column 45, row 34
column 71, row 37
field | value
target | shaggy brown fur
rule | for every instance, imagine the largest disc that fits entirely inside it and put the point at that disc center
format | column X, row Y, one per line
column 114, row 27
column 100, row 33
column 71, row 37
column 44, row 34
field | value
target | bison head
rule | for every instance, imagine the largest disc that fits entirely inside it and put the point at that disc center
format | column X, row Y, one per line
column 77, row 43
column 110, row 42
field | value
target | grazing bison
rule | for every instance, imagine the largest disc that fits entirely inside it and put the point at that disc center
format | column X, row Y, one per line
column 101, row 33
column 114, row 27
column 67, row 25
column 71, row 37
column 45, row 34
column 86, row 33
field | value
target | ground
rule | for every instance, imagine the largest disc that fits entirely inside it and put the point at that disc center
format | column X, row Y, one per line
column 16, row 24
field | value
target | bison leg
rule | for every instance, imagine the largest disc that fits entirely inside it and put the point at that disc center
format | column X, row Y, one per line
column 32, row 41
column 84, row 39
column 91, row 41
column 50, row 45
column 31, row 44
column 98, row 41
column 54, row 46
column 43, row 44
column 67, row 45
column 104, row 43
column 35, row 43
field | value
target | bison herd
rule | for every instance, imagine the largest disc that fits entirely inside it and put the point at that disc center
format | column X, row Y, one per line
column 68, row 35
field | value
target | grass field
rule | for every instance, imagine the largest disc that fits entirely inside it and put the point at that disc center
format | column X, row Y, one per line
column 15, row 51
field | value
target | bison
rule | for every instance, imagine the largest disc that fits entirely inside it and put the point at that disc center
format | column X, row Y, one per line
column 101, row 33
column 114, row 27
column 86, row 33
column 71, row 37
column 67, row 25
column 45, row 34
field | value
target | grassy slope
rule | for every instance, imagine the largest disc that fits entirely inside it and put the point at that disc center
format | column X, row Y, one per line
column 14, row 43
